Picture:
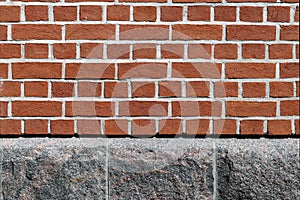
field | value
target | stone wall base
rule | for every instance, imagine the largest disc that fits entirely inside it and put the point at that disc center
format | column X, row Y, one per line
column 89, row 168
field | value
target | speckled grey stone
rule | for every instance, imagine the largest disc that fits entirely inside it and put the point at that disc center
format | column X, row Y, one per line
column 53, row 169
column 258, row 169
column 160, row 169
column 149, row 169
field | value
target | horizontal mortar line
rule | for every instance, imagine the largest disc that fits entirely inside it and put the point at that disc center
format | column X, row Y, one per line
column 163, row 79
column 149, row 23
column 109, row 61
column 265, row 42
column 153, row 118
column 153, row 3
column 99, row 99
column 152, row 80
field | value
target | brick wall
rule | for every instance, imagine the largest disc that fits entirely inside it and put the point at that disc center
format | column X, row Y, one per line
column 152, row 67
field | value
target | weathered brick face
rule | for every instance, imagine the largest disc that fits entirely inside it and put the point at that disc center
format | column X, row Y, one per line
column 149, row 67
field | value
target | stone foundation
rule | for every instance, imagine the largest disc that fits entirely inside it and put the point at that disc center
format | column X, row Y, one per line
column 89, row 168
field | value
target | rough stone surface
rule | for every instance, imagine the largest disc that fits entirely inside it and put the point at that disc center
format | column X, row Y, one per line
column 160, row 169
column 258, row 169
column 53, row 169
column 147, row 168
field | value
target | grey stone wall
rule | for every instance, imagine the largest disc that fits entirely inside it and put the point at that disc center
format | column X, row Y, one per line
column 92, row 168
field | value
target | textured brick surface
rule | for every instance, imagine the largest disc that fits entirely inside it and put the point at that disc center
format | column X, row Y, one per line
column 149, row 68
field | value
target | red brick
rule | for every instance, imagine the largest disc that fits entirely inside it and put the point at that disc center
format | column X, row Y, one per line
column 289, row 70
column 289, row 33
column 171, row 13
column 144, row 1
column 9, row 13
column 89, row 89
column 64, row 50
column 118, row 51
column 196, row 32
column 196, row 108
column 250, row 70
column 196, row 1
column 226, row 51
column 251, row 14
column 248, row 109
column 143, row 108
column 246, row 1
column 63, row 89
column 143, row 127
column 296, row 18
column 172, row 51
column 169, row 89
column 3, row 109
column 52, row 1
column 90, row 108
column 10, row 127
column 197, row 127
column 297, row 126
column 281, row 89
column 226, row 89
column 89, row 0
column 115, row 89
column 254, row 89
column 199, row 13
column 36, row 70
column 289, row 1
column 36, row 32
column 36, row 13
column 252, row 127
column 199, row 51
column 143, row 89
column 289, row 108
column 278, row 13
column 116, row 127
column 65, row 13
column 89, row 127
column 170, row 127
column 3, row 32
column 90, row 71
column 10, row 89
column 62, row 127
column 225, row 13
column 39, row 127
column 144, row 32
column 118, row 13
column 91, row 50
column 297, row 88
column 91, row 13
column 36, row 89
column 196, row 70
column 279, row 127
column 197, row 89
column 281, row 51
column 3, row 70
column 142, row 70
column 144, row 13
column 225, row 127
column 144, row 51
column 90, row 31
column 36, row 108
column 253, row 51
column 10, row 51
column 250, row 32
column 36, row 50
